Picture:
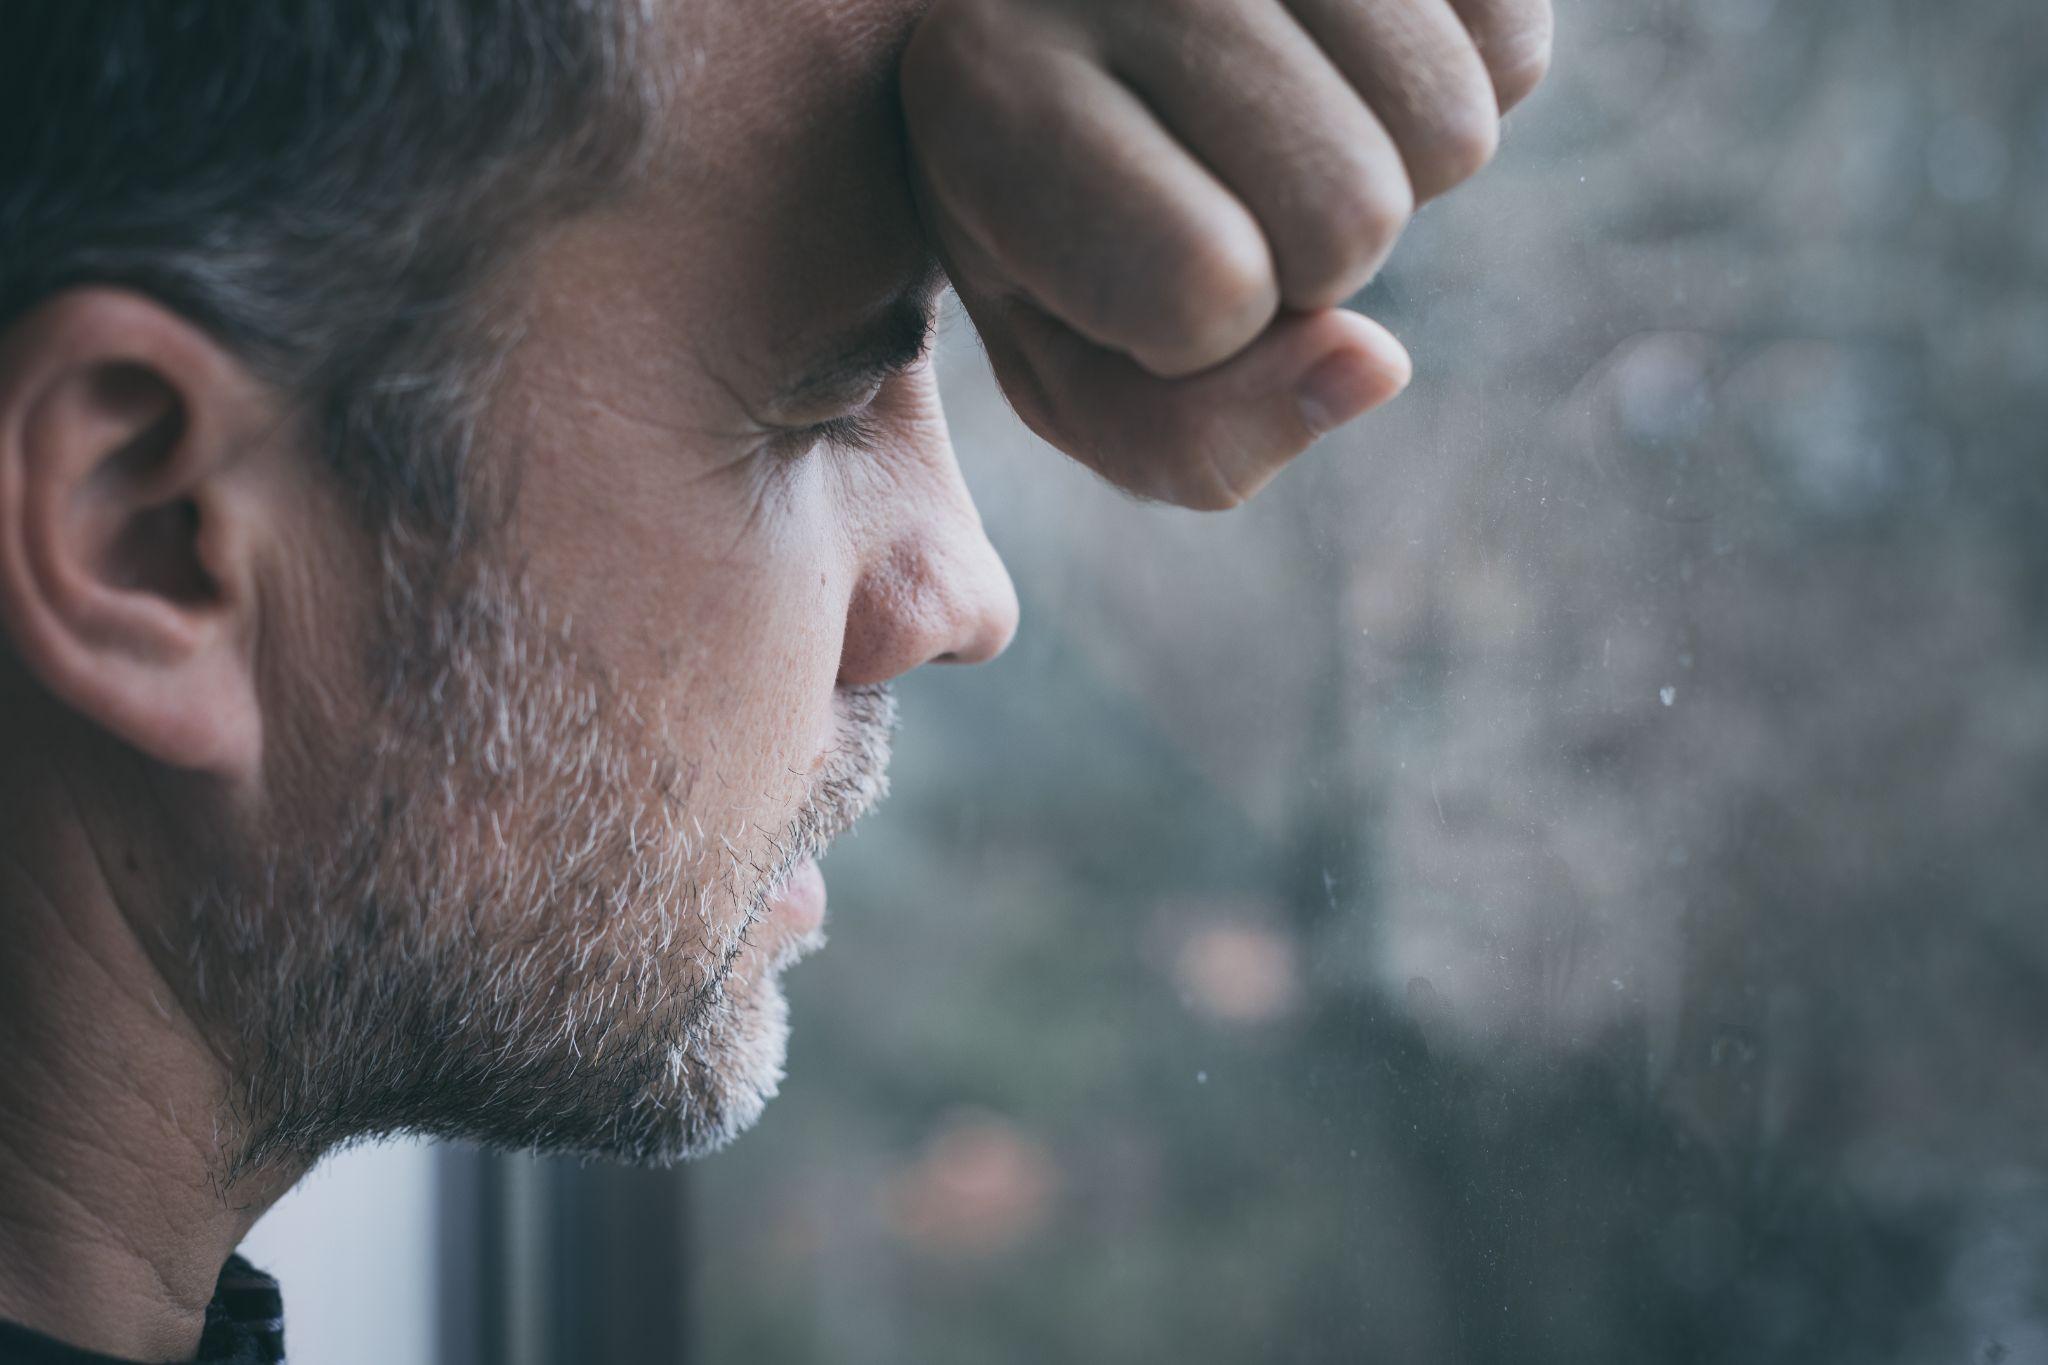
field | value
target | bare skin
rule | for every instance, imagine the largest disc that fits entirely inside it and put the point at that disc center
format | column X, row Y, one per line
column 179, row 594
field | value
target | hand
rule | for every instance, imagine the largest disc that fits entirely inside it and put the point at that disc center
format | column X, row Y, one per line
column 1152, row 208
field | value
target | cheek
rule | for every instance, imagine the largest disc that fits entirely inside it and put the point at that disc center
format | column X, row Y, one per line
column 722, row 619
column 744, row 682
column 711, row 588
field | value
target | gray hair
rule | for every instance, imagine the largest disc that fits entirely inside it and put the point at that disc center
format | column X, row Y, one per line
column 325, row 185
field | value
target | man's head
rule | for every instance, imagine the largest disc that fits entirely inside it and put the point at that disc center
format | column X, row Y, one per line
column 468, row 473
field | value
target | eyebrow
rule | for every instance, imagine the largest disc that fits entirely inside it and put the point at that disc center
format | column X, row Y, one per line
column 890, row 342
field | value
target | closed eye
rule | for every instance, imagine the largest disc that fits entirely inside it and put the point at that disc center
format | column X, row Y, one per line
column 856, row 431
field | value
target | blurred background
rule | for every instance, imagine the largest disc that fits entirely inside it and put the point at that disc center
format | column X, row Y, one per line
column 1562, row 878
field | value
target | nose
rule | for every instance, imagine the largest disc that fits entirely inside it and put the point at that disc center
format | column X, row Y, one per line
column 937, row 592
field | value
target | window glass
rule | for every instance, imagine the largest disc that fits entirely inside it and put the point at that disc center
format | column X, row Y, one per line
column 1561, row 877
column 360, row 1230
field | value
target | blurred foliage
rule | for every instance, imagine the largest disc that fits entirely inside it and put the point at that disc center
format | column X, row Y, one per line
column 1559, row 880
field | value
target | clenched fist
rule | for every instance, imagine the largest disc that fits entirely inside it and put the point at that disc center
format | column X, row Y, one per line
column 1152, row 208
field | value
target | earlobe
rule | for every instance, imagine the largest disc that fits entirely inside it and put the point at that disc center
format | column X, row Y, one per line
column 125, row 581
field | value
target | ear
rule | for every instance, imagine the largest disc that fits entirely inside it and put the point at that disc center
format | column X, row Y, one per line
column 128, row 524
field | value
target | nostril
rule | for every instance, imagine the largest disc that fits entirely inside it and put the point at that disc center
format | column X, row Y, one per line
column 931, row 599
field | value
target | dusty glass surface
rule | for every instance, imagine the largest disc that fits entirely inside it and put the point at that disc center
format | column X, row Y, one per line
column 1559, row 879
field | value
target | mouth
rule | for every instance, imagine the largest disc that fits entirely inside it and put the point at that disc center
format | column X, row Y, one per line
column 798, row 903
column 852, row 778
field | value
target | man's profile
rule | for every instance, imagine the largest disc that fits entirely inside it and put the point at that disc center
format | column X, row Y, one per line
column 469, row 473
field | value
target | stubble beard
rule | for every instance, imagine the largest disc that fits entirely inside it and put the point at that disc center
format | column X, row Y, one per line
column 501, row 922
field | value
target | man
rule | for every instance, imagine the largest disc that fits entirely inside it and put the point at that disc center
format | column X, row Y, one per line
column 469, row 471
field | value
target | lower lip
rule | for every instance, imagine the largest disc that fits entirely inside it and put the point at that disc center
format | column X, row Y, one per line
column 800, row 902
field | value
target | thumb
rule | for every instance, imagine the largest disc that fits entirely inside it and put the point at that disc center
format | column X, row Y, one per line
column 1211, row 440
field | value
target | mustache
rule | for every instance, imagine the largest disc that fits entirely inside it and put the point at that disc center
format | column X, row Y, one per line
column 854, row 776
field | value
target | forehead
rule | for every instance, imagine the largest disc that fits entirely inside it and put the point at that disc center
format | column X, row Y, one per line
column 778, row 205
column 732, row 42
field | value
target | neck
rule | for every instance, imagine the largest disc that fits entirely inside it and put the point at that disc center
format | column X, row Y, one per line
column 113, row 1220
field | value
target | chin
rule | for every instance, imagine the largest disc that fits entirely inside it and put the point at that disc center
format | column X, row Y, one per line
column 719, row 1079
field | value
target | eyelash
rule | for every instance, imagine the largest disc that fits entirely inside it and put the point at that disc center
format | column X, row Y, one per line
column 856, row 431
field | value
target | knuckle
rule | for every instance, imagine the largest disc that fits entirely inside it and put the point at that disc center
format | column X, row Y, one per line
column 1202, row 460
column 1516, row 40
column 1174, row 456
column 1355, row 224
column 1222, row 493
column 1213, row 498
column 1200, row 485
column 1463, row 136
column 1518, row 80
column 1384, row 211
column 1218, row 294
